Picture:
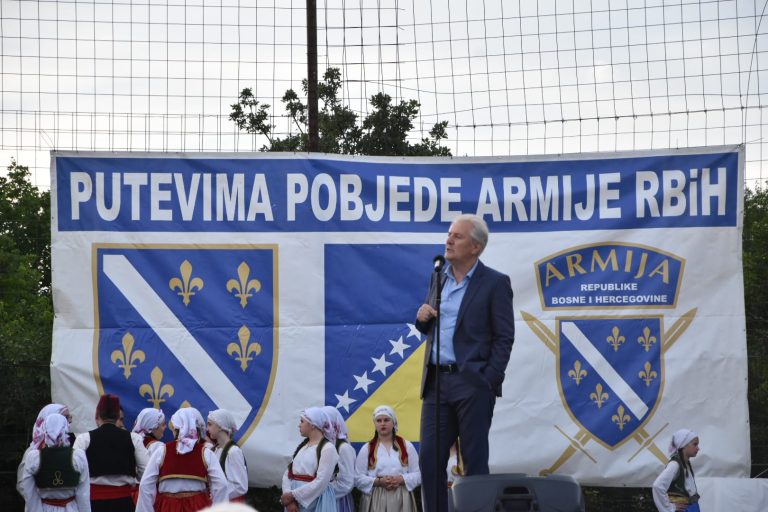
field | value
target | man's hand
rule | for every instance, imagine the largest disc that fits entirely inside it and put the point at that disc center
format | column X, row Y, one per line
column 426, row 313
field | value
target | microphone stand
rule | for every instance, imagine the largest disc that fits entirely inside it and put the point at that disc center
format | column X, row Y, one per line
column 436, row 339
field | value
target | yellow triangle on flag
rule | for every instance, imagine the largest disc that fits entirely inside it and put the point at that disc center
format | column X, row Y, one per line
column 401, row 392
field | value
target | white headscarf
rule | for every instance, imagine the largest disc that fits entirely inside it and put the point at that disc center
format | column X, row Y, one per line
column 318, row 419
column 56, row 428
column 680, row 439
column 337, row 420
column 385, row 410
column 148, row 420
column 188, row 421
column 38, row 432
column 224, row 420
column 228, row 507
column 199, row 420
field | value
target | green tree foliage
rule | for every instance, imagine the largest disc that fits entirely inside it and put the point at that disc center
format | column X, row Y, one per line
column 626, row 499
column 26, row 317
column 25, row 269
column 25, row 214
column 755, row 247
column 383, row 132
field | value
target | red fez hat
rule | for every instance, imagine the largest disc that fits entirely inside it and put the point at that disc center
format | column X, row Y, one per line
column 108, row 407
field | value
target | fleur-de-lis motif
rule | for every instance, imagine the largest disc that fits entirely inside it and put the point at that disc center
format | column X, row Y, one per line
column 156, row 391
column 577, row 373
column 242, row 285
column 187, row 284
column 128, row 356
column 647, row 374
column 244, row 349
column 184, row 404
column 615, row 339
column 598, row 396
column 620, row 418
column 646, row 340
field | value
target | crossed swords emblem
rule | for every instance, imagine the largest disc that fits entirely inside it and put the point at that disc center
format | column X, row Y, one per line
column 578, row 442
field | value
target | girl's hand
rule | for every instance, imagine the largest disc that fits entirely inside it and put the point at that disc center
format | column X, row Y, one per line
column 393, row 482
column 286, row 499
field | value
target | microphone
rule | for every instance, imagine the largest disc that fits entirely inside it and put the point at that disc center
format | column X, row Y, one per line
column 438, row 261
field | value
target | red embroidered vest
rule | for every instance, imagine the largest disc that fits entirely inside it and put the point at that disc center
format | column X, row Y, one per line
column 189, row 465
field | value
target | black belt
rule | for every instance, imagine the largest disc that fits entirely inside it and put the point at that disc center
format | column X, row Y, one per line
column 445, row 368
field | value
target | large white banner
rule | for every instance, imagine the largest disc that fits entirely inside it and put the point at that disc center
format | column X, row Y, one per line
column 268, row 283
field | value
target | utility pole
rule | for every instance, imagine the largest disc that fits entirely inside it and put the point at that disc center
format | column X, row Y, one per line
column 314, row 137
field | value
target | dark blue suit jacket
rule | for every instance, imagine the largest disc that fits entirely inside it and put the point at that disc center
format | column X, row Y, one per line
column 485, row 328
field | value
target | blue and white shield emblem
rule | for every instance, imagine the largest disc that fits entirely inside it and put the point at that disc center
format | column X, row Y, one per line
column 610, row 373
column 181, row 325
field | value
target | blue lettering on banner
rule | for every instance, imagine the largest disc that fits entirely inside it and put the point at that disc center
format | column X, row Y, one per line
column 97, row 193
column 609, row 275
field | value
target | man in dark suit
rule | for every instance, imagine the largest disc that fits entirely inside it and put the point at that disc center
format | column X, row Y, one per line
column 477, row 330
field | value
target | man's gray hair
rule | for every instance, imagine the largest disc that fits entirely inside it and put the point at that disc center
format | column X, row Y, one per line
column 479, row 231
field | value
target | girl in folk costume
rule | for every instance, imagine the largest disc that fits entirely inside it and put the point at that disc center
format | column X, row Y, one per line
column 182, row 475
column 306, row 482
column 387, row 467
column 38, row 434
column 455, row 470
column 675, row 488
column 455, row 463
column 344, row 480
column 55, row 477
column 150, row 425
column 221, row 428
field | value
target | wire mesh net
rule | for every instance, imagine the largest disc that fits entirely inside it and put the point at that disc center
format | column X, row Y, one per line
column 510, row 77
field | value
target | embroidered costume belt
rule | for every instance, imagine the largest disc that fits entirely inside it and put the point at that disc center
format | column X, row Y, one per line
column 179, row 495
column 111, row 492
column 301, row 478
column 58, row 502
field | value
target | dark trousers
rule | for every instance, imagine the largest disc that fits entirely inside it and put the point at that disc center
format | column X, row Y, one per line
column 118, row 505
column 466, row 410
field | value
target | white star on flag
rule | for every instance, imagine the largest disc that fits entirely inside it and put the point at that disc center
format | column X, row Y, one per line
column 381, row 364
column 398, row 347
column 363, row 381
column 413, row 331
column 344, row 401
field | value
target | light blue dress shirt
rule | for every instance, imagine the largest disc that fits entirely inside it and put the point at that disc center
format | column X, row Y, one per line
column 451, row 297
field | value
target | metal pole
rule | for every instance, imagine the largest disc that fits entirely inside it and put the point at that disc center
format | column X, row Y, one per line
column 314, row 138
column 439, row 452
